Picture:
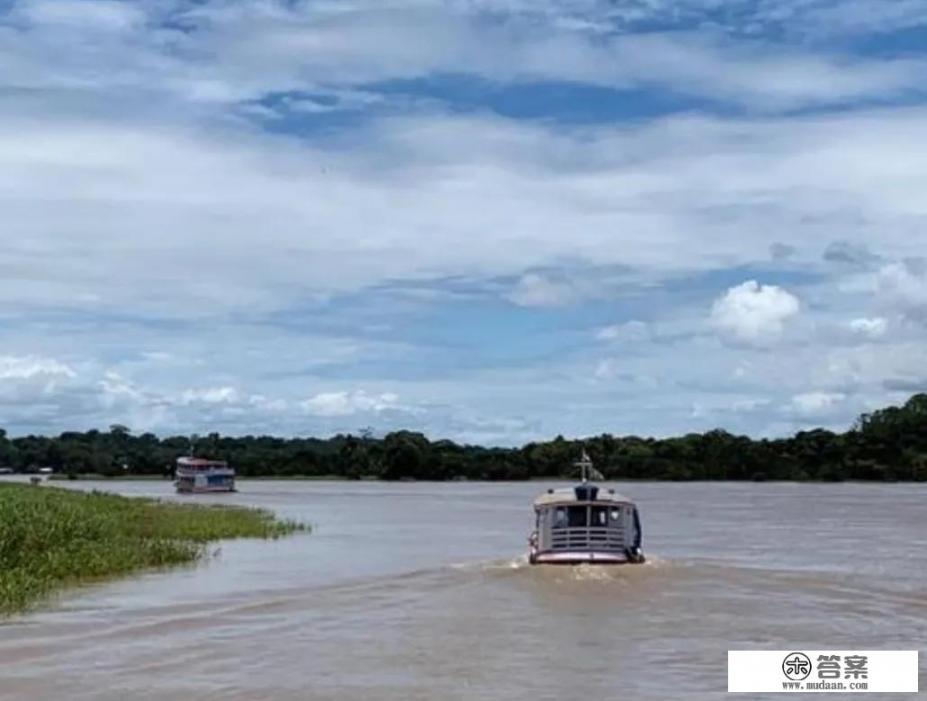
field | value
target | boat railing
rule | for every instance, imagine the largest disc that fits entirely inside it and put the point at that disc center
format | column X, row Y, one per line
column 587, row 538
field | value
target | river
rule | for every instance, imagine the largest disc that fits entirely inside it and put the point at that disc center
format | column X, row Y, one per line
column 420, row 591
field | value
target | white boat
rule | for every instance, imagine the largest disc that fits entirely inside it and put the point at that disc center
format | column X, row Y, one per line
column 194, row 475
column 585, row 524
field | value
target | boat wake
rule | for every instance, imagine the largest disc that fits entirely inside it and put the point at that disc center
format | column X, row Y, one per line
column 584, row 572
column 496, row 565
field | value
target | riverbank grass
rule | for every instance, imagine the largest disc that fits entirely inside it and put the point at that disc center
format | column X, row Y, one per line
column 52, row 538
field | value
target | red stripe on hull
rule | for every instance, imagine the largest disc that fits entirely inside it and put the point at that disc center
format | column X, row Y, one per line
column 580, row 559
column 204, row 490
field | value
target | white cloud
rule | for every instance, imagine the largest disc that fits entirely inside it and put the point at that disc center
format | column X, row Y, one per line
column 903, row 286
column 29, row 379
column 144, row 208
column 749, row 404
column 31, row 388
column 264, row 403
column 607, row 369
column 210, row 395
column 636, row 197
column 115, row 388
column 107, row 15
column 28, row 367
column 329, row 404
column 117, row 399
column 630, row 331
column 816, row 404
column 752, row 312
column 874, row 327
column 237, row 51
column 535, row 290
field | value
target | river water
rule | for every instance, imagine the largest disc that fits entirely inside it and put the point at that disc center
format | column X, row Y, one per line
column 421, row 591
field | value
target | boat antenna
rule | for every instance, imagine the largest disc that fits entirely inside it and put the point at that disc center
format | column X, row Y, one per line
column 586, row 469
column 584, row 464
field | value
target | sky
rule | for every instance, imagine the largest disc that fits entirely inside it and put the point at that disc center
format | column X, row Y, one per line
column 493, row 222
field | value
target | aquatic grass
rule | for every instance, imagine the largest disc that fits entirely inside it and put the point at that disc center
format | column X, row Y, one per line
column 51, row 538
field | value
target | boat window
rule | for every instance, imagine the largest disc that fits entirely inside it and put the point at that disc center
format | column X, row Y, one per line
column 578, row 516
column 599, row 516
column 560, row 517
column 616, row 514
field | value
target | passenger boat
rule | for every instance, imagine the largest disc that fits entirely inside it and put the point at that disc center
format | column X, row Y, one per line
column 195, row 475
column 585, row 524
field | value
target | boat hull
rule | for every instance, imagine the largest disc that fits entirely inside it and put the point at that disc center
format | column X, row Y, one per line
column 579, row 558
column 204, row 490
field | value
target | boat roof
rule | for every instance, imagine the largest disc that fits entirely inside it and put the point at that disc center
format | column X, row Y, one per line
column 200, row 462
column 567, row 495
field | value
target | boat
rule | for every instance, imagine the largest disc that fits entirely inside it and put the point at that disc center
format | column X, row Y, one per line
column 585, row 524
column 195, row 475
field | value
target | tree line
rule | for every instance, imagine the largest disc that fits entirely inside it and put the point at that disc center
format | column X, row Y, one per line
column 886, row 445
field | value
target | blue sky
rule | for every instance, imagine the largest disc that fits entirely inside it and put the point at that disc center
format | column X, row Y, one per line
column 489, row 221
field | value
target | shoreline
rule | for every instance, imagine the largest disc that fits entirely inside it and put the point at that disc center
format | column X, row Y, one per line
column 97, row 477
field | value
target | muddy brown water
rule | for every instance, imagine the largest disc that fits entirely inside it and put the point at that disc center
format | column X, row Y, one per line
column 421, row 591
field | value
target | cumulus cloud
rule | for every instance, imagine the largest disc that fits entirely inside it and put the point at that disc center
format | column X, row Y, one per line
column 607, row 369
column 28, row 367
column 210, row 395
column 329, row 404
column 753, row 312
column 816, row 404
column 134, row 136
column 49, row 393
column 115, row 388
column 872, row 328
column 33, row 378
column 629, row 331
column 536, row 290
column 264, row 403
column 118, row 399
column 903, row 286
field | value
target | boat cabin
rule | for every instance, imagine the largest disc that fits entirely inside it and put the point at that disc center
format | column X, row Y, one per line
column 201, row 475
column 585, row 523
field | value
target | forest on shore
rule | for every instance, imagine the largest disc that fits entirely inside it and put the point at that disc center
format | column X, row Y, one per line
column 885, row 445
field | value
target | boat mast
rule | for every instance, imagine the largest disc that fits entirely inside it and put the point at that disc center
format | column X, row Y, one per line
column 585, row 465
column 586, row 470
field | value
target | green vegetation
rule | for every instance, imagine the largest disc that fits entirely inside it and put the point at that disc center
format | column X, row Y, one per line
column 886, row 445
column 50, row 538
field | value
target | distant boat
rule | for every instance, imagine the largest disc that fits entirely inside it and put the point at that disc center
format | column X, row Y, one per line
column 585, row 524
column 195, row 475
